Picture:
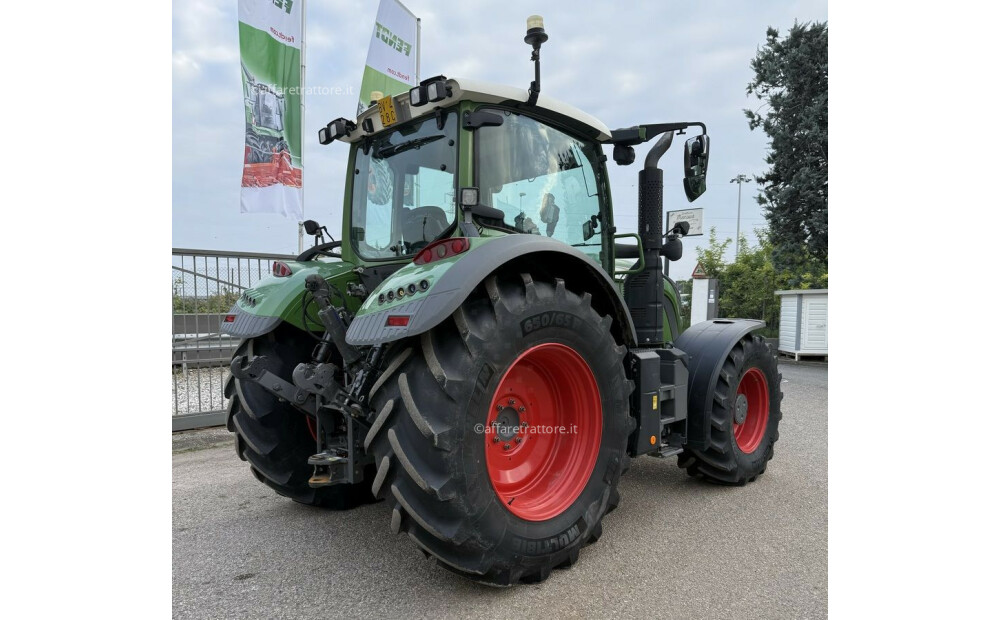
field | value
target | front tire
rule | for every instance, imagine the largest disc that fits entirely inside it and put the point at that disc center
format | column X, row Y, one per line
column 276, row 438
column 502, row 511
column 746, row 410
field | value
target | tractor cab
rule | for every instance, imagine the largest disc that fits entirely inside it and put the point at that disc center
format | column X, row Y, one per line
column 537, row 170
column 536, row 165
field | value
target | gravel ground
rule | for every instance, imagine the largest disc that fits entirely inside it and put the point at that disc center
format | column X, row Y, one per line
column 198, row 383
column 675, row 548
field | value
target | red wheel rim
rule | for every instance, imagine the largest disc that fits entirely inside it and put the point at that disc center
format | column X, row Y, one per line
column 752, row 409
column 543, row 431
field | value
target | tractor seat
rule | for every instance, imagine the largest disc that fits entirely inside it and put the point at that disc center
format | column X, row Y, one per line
column 421, row 225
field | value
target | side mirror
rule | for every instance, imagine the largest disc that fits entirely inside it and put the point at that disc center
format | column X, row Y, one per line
column 590, row 227
column 674, row 249
column 695, row 166
column 311, row 227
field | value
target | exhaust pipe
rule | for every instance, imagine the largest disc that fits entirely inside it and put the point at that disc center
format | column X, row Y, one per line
column 644, row 291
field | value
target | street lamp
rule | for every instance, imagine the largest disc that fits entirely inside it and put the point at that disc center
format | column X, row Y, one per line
column 739, row 179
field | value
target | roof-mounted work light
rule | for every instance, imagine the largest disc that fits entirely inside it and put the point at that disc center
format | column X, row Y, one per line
column 335, row 130
column 430, row 90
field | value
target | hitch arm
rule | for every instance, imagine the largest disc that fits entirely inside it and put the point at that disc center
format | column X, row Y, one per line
column 255, row 370
column 336, row 332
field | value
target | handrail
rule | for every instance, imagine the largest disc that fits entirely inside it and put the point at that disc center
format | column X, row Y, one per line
column 642, row 258
column 223, row 254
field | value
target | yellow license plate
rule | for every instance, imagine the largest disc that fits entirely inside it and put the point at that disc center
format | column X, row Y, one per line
column 387, row 111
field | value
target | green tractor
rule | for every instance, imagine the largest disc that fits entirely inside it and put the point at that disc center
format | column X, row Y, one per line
column 483, row 350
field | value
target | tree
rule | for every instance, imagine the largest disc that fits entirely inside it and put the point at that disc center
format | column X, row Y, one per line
column 712, row 258
column 750, row 282
column 790, row 76
column 747, row 285
column 221, row 301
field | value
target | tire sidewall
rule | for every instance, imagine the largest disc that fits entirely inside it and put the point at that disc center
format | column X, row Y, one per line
column 758, row 357
column 578, row 327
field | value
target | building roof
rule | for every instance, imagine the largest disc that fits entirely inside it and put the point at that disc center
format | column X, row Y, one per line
column 463, row 89
column 803, row 291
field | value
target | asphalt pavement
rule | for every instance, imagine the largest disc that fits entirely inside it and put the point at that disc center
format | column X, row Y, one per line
column 675, row 548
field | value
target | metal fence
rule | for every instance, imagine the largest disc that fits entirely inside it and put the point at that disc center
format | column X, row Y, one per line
column 205, row 284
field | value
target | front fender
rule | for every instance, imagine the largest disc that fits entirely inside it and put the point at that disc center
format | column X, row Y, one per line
column 273, row 300
column 451, row 281
column 707, row 345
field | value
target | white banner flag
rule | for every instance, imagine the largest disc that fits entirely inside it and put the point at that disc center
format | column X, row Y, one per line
column 270, row 54
column 393, row 53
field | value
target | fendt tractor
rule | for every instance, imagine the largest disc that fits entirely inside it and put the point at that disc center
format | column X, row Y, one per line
column 482, row 349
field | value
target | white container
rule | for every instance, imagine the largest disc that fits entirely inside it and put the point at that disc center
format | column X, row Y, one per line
column 802, row 329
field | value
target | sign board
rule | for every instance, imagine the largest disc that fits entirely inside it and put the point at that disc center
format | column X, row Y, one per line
column 692, row 216
column 699, row 272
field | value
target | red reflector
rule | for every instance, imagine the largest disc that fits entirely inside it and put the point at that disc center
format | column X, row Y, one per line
column 397, row 320
column 229, row 318
column 280, row 269
column 445, row 248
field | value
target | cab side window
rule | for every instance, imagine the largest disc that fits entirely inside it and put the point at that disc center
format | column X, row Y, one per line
column 542, row 179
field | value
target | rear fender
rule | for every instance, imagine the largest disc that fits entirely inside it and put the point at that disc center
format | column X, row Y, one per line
column 707, row 345
column 450, row 282
column 262, row 308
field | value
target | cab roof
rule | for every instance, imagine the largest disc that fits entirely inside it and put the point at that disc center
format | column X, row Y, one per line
column 463, row 89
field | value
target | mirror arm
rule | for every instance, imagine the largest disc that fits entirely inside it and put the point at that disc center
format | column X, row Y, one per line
column 658, row 128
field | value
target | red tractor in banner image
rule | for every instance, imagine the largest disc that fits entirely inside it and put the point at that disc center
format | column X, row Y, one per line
column 278, row 170
column 267, row 159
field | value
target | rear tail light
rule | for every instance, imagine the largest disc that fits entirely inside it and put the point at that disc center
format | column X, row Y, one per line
column 280, row 269
column 397, row 320
column 230, row 318
column 445, row 248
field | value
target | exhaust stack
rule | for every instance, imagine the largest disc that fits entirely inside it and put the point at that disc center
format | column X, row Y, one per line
column 644, row 291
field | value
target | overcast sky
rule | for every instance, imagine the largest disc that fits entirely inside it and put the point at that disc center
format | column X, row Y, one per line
column 625, row 63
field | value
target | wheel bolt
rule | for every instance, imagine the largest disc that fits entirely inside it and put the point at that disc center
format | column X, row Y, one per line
column 510, row 402
column 499, row 407
column 517, row 439
column 506, row 446
column 496, row 439
column 521, row 408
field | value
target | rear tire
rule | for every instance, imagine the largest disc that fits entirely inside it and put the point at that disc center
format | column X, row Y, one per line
column 434, row 456
column 746, row 410
column 275, row 437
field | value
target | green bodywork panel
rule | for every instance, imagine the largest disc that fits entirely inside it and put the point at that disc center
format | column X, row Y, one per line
column 282, row 296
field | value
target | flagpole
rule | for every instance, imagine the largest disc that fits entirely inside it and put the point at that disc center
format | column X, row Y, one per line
column 418, row 49
column 302, row 119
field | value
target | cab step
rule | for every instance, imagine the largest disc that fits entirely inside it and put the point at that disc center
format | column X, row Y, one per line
column 666, row 451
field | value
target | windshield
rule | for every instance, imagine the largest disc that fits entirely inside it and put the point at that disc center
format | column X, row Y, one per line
column 542, row 179
column 404, row 188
